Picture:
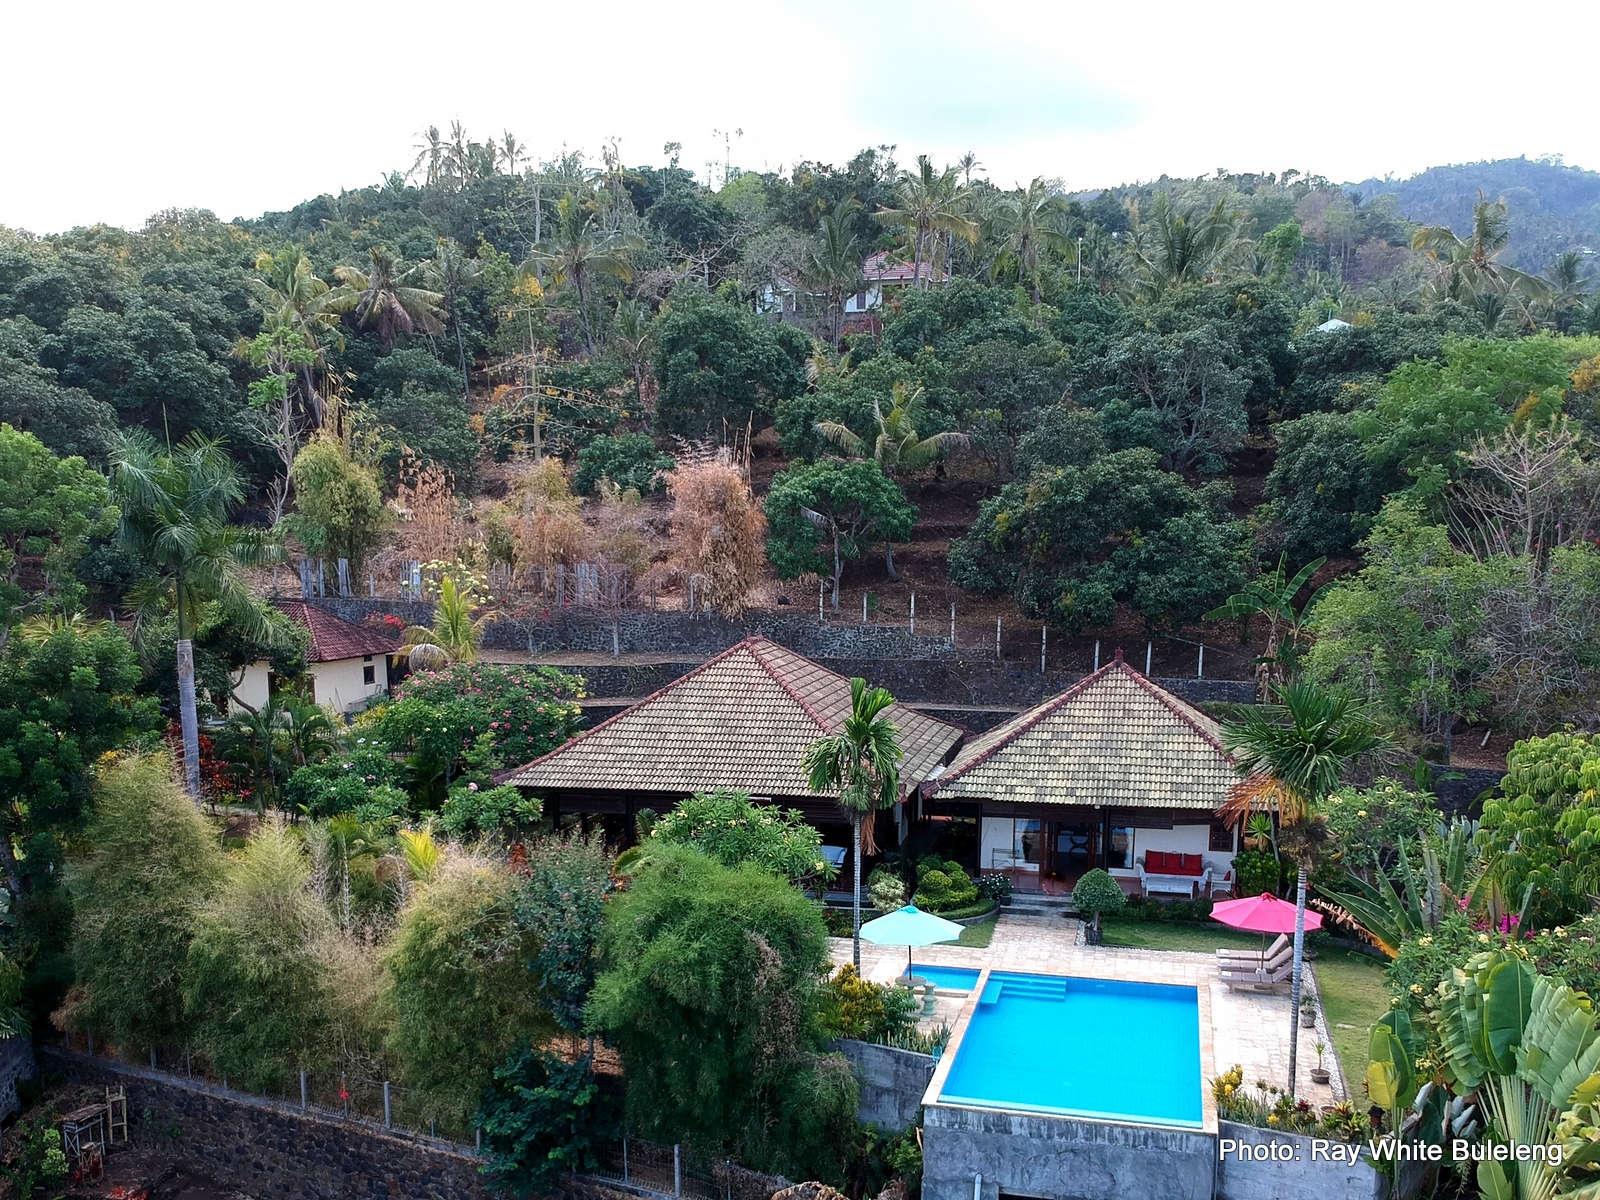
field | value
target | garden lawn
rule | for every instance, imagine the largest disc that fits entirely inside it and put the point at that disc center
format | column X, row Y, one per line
column 1353, row 998
column 977, row 936
column 1163, row 935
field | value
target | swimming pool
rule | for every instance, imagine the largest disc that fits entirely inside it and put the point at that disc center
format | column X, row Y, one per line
column 1082, row 1047
column 948, row 979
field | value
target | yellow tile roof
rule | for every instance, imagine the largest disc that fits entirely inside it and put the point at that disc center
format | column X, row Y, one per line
column 740, row 720
column 1113, row 739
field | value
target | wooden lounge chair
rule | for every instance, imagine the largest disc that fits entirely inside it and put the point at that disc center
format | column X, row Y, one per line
column 1235, row 958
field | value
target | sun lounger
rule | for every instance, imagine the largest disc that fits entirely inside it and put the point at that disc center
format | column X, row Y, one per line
column 1254, row 958
column 1273, row 973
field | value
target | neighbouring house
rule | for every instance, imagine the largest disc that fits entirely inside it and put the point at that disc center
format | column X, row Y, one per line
column 739, row 720
column 1115, row 772
column 347, row 664
column 879, row 278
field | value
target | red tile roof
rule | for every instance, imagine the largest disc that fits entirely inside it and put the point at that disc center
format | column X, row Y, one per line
column 333, row 638
column 878, row 269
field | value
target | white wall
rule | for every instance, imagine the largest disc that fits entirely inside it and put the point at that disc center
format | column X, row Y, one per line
column 254, row 689
column 339, row 685
column 1182, row 839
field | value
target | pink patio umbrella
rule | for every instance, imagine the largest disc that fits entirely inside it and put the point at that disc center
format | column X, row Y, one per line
column 1262, row 914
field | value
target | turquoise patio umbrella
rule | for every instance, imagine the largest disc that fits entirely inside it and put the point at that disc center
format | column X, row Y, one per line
column 909, row 927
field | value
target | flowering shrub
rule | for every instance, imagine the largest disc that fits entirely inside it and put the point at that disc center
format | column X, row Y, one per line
column 341, row 783
column 529, row 711
column 995, row 885
column 385, row 621
column 473, row 811
column 1570, row 953
column 725, row 825
column 1367, row 826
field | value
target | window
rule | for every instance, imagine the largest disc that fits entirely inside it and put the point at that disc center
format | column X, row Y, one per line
column 1121, row 846
column 369, row 674
column 1027, row 842
column 861, row 302
column 1221, row 837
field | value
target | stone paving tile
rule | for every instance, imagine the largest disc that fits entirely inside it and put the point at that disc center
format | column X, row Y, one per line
column 1248, row 1028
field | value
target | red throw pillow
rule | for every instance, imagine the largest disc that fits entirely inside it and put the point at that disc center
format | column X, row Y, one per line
column 1155, row 861
column 1191, row 864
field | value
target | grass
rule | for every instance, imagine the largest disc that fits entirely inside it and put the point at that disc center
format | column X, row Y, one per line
column 979, row 935
column 1353, row 994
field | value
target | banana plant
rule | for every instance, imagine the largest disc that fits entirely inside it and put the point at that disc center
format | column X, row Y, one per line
column 1527, row 1046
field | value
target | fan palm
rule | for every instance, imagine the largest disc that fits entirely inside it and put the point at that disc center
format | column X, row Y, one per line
column 928, row 203
column 833, row 262
column 577, row 250
column 1029, row 224
column 897, row 447
column 175, row 507
column 386, row 298
column 1292, row 754
column 1271, row 595
column 862, row 764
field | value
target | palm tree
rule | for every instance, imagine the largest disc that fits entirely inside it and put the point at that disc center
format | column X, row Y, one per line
column 635, row 336
column 833, row 262
column 1292, row 754
column 385, row 297
column 175, row 507
column 1271, row 595
column 862, row 764
column 578, row 249
column 1470, row 266
column 928, row 203
column 1569, row 286
column 295, row 301
column 897, row 448
column 454, row 634
column 1029, row 224
column 1174, row 248
column 452, row 271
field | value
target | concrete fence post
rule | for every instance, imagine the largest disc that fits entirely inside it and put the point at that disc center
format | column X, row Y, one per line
column 913, row 614
column 624, row 1158
column 477, row 1140
column 997, row 639
column 952, row 627
column 1200, row 667
column 1148, row 647
column 1097, row 654
column 1044, row 642
column 388, row 1113
column 305, row 1092
column 977, row 1187
column 863, row 608
column 153, row 1066
column 677, row 1169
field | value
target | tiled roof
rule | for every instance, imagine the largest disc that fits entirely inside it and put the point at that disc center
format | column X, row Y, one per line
column 333, row 638
column 739, row 720
column 1114, row 738
column 878, row 269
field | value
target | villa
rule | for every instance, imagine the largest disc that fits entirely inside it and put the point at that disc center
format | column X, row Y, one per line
column 348, row 664
column 1115, row 772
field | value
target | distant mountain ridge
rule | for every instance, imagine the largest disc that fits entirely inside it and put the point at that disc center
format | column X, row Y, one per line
column 1554, row 207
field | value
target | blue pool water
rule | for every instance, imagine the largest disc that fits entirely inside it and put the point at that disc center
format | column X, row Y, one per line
column 1085, row 1047
column 954, row 979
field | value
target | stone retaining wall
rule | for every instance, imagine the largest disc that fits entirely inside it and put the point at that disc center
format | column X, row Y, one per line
column 16, row 1064
column 892, row 1082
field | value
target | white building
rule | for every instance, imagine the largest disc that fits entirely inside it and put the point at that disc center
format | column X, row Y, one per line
column 348, row 664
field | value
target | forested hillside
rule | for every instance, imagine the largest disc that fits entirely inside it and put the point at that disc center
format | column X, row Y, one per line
column 1108, row 412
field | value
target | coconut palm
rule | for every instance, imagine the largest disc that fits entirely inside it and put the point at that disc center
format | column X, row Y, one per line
column 294, row 301
column 452, row 270
column 862, row 764
column 1029, row 224
column 579, row 249
column 386, row 297
column 897, row 448
column 833, row 262
column 928, row 203
column 1174, row 247
column 1470, row 266
column 175, row 506
column 1292, row 754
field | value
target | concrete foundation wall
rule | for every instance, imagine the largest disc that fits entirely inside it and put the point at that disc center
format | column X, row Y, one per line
column 1302, row 1177
column 892, row 1082
column 1060, row 1158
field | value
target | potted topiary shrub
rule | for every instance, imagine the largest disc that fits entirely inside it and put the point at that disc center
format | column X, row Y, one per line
column 1097, row 893
column 1319, row 1073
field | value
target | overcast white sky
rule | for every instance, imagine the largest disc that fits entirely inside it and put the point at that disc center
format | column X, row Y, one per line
column 115, row 110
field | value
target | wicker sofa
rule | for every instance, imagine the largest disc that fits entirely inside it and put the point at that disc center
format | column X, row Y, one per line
column 1185, row 875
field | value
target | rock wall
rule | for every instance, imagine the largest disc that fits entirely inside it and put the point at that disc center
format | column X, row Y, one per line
column 16, row 1064
column 892, row 1082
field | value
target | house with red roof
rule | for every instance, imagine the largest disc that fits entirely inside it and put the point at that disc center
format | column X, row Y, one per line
column 348, row 664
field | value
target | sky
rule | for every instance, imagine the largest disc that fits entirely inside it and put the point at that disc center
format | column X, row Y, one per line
column 114, row 111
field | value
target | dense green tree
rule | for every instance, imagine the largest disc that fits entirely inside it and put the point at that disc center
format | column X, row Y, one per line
column 577, row 249
column 1073, row 541
column 629, row 460
column 721, row 367
column 708, row 990
column 339, row 509
column 1345, row 369
column 542, row 1118
column 1187, row 382
column 1323, row 490
column 69, row 421
column 821, row 516
column 725, row 825
column 64, row 701
column 49, row 507
column 150, row 862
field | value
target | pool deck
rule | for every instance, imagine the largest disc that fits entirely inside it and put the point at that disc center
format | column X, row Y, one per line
column 1248, row 1028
